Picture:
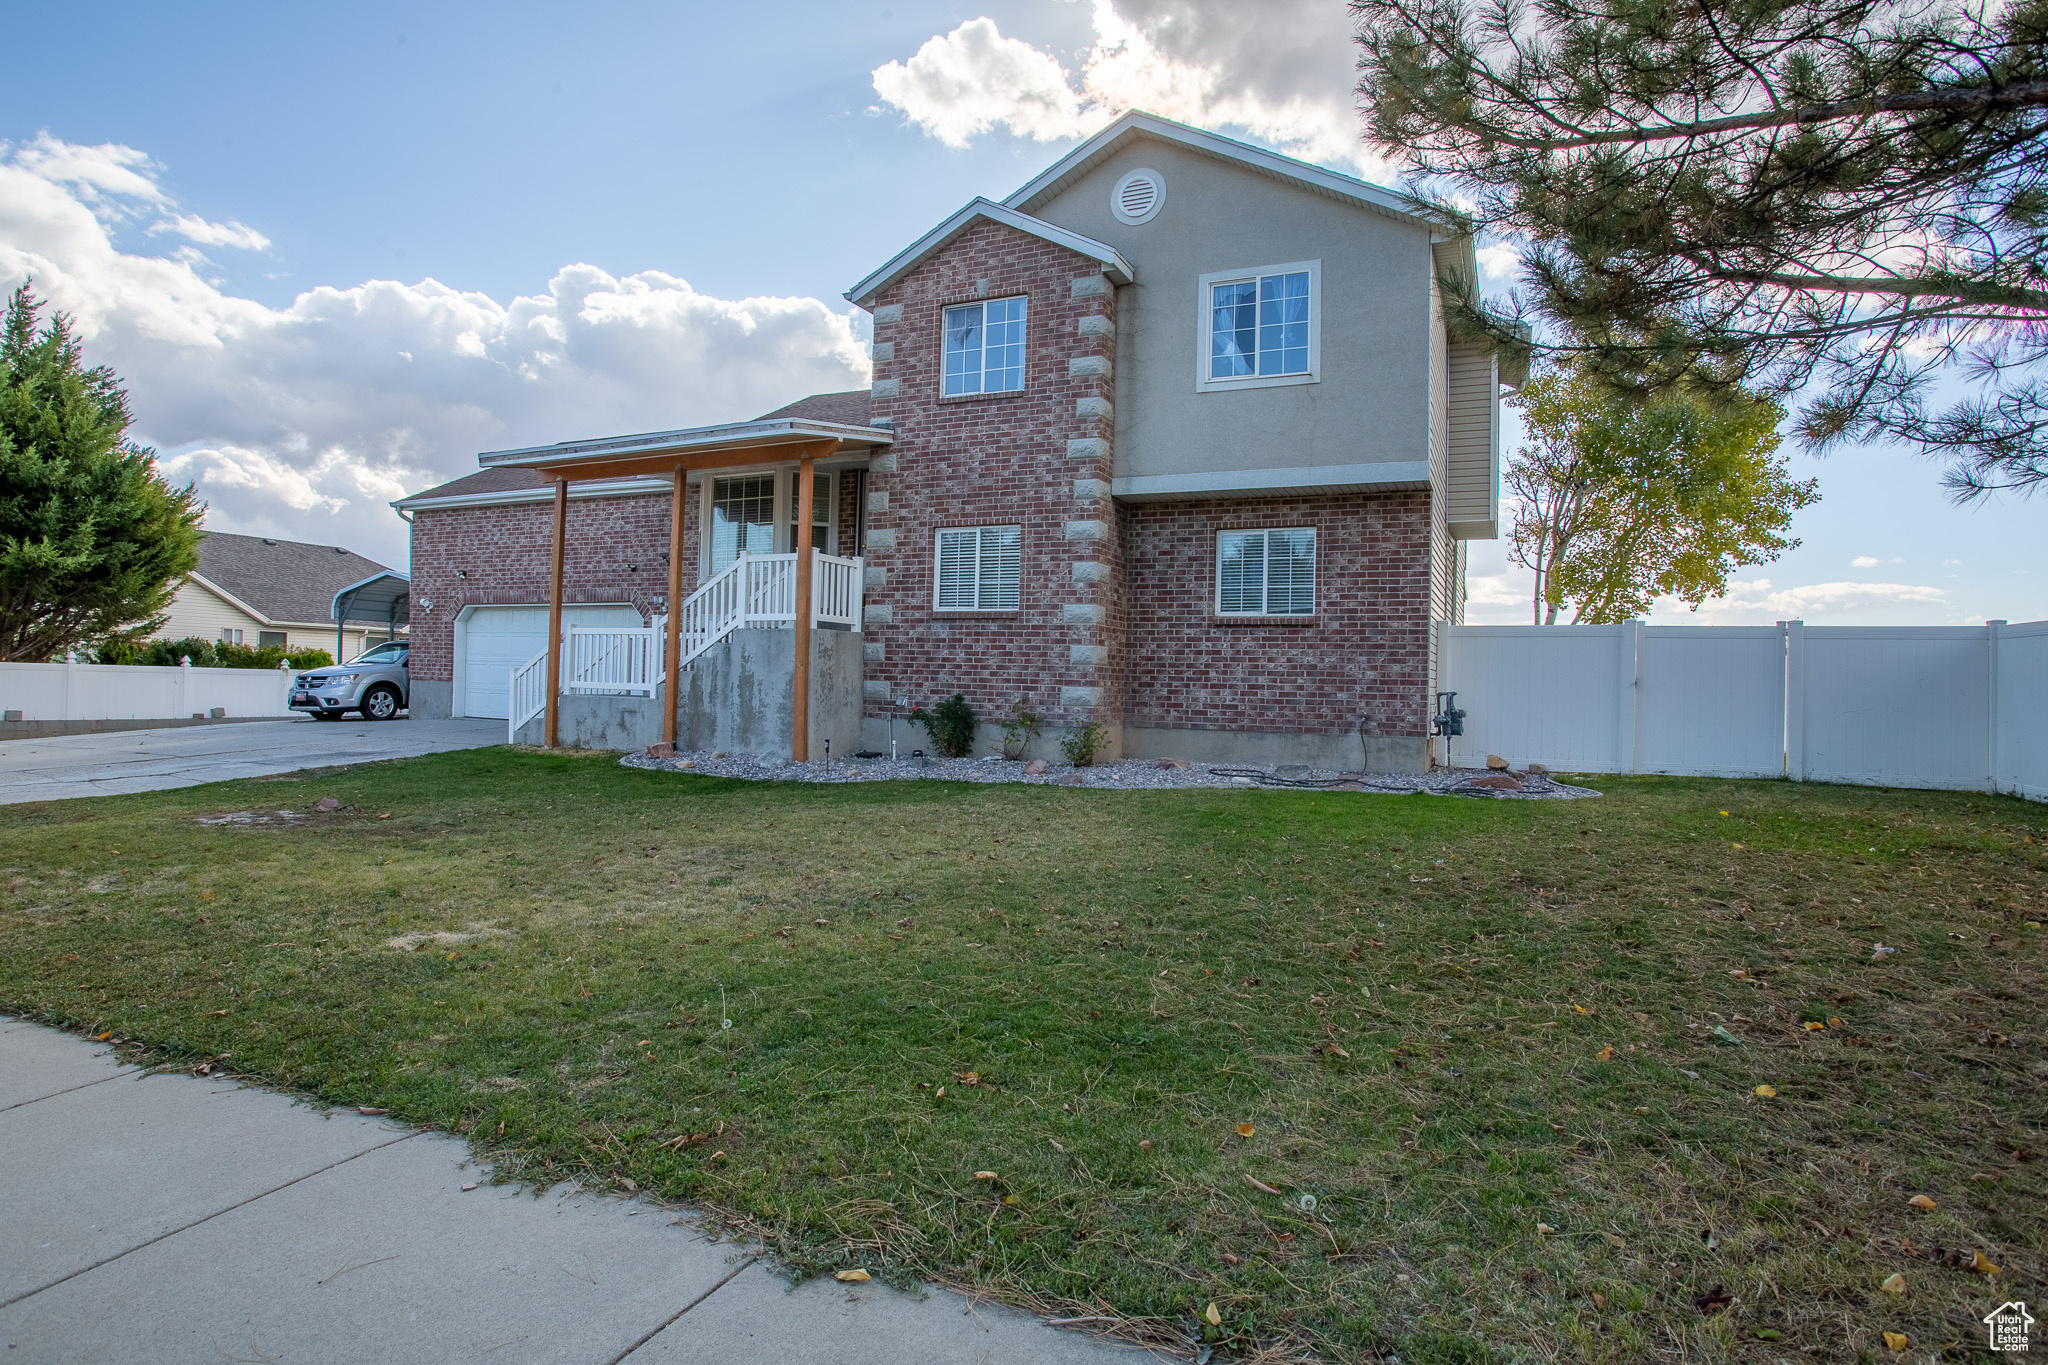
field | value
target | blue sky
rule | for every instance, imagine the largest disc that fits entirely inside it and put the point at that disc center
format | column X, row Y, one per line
column 336, row 252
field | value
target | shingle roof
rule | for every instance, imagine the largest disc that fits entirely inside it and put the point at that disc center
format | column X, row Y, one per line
column 495, row 480
column 847, row 409
column 284, row 580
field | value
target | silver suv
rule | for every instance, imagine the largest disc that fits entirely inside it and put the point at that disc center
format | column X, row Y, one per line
column 375, row 683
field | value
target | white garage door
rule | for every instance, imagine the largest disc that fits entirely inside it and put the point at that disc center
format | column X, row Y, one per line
column 492, row 641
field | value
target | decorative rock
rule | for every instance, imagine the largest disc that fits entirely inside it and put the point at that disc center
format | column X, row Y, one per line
column 688, row 763
column 326, row 804
column 1506, row 782
column 1035, row 768
column 662, row 750
column 1538, row 770
column 1171, row 763
column 1497, row 763
column 1068, row 779
column 719, row 754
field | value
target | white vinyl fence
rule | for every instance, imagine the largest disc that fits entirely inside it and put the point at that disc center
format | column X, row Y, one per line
column 48, row 692
column 1957, row 707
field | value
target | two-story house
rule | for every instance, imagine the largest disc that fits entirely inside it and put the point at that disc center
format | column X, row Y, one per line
column 1173, row 440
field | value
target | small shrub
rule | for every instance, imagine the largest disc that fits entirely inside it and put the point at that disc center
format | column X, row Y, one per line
column 309, row 658
column 1083, row 743
column 950, row 725
column 1021, row 728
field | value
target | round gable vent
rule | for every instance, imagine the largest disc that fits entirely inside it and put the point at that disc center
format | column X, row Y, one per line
column 1138, row 197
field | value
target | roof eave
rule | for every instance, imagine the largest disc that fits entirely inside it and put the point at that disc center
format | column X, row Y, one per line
column 1083, row 158
column 732, row 434
column 1113, row 264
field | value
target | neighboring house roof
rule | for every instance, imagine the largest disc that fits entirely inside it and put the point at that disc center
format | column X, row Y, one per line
column 283, row 581
column 849, row 408
column 977, row 210
column 1139, row 124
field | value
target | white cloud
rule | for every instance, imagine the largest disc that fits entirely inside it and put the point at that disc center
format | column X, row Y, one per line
column 1864, row 562
column 304, row 421
column 1755, row 601
column 1498, row 261
column 1280, row 71
column 193, row 228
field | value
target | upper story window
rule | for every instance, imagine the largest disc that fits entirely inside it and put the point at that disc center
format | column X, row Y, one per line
column 1266, row 573
column 980, row 568
column 985, row 347
column 1260, row 327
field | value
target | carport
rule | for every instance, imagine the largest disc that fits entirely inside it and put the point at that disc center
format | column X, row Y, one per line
column 385, row 597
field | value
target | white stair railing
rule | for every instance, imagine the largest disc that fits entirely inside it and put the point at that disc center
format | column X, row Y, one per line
column 754, row 590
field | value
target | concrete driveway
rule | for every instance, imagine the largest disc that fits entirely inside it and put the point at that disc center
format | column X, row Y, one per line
column 153, row 760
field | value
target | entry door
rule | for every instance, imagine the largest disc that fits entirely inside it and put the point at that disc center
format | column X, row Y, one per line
column 496, row 640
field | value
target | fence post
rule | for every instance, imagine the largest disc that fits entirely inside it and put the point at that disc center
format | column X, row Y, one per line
column 1992, row 767
column 1631, row 677
column 1795, row 699
column 184, row 686
column 70, row 685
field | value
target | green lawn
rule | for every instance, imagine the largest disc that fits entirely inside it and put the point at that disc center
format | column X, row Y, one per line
column 1450, row 1025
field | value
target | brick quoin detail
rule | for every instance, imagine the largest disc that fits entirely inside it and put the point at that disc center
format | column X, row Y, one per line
column 1365, row 660
column 506, row 553
column 999, row 459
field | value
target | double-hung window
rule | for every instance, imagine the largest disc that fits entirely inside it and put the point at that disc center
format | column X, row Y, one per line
column 1260, row 327
column 1266, row 573
column 984, row 347
column 980, row 568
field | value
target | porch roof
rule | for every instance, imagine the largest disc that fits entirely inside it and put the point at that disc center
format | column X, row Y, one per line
column 730, row 443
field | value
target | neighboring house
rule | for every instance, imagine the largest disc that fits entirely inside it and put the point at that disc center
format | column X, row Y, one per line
column 251, row 590
column 1174, row 440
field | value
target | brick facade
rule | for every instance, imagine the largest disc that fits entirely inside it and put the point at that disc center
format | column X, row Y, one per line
column 1359, row 665
column 617, row 552
column 1040, row 458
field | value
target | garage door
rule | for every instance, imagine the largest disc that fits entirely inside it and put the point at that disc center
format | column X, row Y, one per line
column 493, row 641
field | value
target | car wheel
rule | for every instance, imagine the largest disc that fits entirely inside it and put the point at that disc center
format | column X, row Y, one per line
column 380, row 703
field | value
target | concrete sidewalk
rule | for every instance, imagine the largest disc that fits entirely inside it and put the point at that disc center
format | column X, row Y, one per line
column 169, row 1218
column 113, row 762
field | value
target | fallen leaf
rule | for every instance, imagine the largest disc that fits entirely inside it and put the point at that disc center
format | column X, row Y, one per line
column 1739, row 974
column 1599, row 1299
column 1214, row 1315
column 1231, row 1259
column 1145, row 1145
column 627, row 1185
column 102, row 1037
column 468, row 1187
column 1813, row 1026
column 206, row 895
column 1767, row 1092
column 371, row 1111
column 1982, row 1264
column 1260, row 1185
column 716, row 1156
column 1245, row 1130
column 1923, row 1203
column 1715, row 1300
column 940, row 1093
column 968, row 1077
column 1545, row 1229
column 1896, row 1341
column 1614, row 1241
column 984, row 1175
column 1894, row 1283
column 1605, row 1054
column 215, row 1013
column 852, row 1276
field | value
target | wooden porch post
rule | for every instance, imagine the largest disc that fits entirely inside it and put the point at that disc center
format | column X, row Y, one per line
column 672, row 653
column 549, row 734
column 800, row 736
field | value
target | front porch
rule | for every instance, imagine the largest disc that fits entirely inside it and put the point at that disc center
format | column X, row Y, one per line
column 765, row 653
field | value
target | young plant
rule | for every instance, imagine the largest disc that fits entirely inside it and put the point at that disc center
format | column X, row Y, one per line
column 950, row 725
column 1021, row 728
column 1082, row 743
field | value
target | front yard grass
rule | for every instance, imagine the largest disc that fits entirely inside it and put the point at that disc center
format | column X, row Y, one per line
column 1378, row 1076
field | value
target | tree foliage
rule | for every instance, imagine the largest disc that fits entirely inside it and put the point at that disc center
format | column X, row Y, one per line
column 1621, row 501
column 93, row 543
column 1851, row 194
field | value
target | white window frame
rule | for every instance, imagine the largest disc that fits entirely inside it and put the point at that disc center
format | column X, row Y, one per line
column 1205, row 319
column 1023, row 369
column 938, row 554
column 785, row 499
column 1265, row 587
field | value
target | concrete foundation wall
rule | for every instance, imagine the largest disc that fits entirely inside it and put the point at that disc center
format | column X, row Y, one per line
column 739, row 696
column 431, row 699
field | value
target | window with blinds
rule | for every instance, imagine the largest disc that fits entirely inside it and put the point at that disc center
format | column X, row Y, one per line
column 742, row 518
column 980, row 568
column 1266, row 573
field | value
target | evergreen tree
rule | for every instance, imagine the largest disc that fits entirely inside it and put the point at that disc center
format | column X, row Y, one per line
column 93, row 542
column 1713, row 193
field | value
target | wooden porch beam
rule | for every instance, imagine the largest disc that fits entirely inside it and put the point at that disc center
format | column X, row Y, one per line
column 549, row 731
column 661, row 464
column 672, row 648
column 800, row 734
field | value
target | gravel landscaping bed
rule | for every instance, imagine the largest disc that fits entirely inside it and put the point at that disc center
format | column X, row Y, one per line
column 1128, row 774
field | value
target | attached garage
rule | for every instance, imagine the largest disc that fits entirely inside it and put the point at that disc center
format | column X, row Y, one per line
column 492, row 641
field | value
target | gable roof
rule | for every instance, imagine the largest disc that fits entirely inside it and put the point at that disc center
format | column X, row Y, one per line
column 977, row 210
column 1137, row 123
column 281, row 580
column 849, row 408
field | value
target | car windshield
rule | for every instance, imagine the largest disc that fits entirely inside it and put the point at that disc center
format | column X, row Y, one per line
column 389, row 653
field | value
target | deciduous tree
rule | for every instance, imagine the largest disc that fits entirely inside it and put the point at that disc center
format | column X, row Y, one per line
column 1621, row 501
column 93, row 541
